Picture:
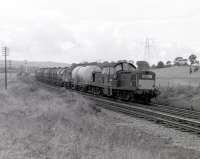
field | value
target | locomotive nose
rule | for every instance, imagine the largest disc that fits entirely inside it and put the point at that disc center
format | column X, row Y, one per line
column 146, row 80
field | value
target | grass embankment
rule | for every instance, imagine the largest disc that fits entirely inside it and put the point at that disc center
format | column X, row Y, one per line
column 43, row 124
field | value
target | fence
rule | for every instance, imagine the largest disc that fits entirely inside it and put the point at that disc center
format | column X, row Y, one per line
column 171, row 82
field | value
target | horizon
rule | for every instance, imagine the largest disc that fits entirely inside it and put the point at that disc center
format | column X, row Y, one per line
column 64, row 63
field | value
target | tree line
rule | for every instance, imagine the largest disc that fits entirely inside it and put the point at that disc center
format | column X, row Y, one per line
column 178, row 61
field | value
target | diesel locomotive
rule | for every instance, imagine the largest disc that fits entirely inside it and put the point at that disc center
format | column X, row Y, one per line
column 121, row 80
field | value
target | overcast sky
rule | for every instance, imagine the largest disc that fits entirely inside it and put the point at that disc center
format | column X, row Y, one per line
column 98, row 30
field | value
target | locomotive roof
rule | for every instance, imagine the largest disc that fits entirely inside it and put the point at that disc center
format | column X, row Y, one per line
column 125, row 62
column 118, row 63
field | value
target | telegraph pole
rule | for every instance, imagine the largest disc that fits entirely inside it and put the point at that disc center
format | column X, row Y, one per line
column 5, row 54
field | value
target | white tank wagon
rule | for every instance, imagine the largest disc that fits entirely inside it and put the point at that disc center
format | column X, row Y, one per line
column 75, row 73
column 83, row 74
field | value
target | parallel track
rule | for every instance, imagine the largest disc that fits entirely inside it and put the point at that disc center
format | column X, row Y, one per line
column 179, row 118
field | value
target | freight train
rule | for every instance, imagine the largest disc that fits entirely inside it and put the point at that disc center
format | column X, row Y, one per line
column 120, row 80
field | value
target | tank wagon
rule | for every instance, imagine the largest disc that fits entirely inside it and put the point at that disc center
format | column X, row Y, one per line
column 82, row 76
column 121, row 80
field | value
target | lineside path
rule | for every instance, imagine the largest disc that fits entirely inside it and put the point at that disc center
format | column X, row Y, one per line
column 182, row 119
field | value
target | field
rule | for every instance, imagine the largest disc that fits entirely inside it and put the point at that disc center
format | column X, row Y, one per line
column 10, row 78
column 177, row 75
column 178, row 87
column 43, row 123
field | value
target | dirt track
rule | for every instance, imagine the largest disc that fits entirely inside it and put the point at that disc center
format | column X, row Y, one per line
column 37, row 123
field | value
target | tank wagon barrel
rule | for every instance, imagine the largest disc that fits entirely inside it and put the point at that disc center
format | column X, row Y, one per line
column 82, row 75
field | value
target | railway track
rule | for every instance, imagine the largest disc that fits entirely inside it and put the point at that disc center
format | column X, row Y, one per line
column 180, row 122
column 179, row 118
column 156, row 107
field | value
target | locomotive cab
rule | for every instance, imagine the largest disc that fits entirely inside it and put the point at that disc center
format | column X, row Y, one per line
column 124, row 76
column 114, row 77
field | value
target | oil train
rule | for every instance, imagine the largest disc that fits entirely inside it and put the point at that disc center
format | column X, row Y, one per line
column 120, row 80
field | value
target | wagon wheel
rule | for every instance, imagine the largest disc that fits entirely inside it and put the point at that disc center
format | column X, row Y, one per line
column 147, row 100
column 128, row 97
column 132, row 98
column 97, row 91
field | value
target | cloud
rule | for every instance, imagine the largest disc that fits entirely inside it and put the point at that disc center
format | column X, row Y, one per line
column 91, row 30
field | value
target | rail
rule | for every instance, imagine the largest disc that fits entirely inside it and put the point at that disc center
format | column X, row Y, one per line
column 179, row 118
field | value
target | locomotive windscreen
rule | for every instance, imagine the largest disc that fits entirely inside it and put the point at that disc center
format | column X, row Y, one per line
column 147, row 76
column 124, row 66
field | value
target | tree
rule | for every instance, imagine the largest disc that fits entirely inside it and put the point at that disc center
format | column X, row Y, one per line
column 176, row 60
column 168, row 63
column 160, row 64
column 193, row 59
column 153, row 66
column 104, row 63
column 142, row 65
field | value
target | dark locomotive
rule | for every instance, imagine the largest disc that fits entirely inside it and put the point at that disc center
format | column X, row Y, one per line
column 121, row 80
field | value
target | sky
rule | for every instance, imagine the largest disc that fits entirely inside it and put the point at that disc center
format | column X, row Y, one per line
column 100, row 30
